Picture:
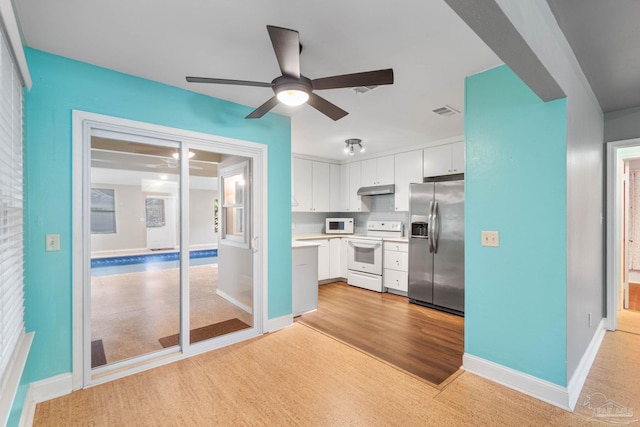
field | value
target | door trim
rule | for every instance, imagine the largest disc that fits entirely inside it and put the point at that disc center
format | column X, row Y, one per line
column 614, row 226
column 82, row 125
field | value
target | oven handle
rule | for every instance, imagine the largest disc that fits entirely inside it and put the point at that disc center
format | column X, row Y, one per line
column 364, row 245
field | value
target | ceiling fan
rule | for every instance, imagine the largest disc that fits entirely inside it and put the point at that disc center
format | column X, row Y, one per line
column 292, row 88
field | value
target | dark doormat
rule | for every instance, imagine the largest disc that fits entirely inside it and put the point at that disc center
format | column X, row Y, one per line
column 98, row 357
column 206, row 332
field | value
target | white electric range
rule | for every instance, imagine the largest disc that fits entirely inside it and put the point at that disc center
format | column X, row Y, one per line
column 365, row 254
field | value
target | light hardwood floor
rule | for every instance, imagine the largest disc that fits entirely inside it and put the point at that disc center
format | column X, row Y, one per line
column 298, row 376
column 423, row 341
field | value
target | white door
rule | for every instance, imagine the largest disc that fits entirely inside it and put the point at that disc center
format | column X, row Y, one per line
column 160, row 218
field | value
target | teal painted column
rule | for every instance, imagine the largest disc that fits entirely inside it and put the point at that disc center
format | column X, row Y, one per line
column 515, row 312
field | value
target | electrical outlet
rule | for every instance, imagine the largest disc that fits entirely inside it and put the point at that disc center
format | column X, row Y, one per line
column 52, row 242
column 490, row 238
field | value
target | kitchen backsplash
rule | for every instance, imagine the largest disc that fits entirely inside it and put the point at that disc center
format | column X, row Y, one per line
column 382, row 209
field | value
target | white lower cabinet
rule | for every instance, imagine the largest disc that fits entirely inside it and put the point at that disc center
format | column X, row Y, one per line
column 335, row 260
column 304, row 291
column 332, row 258
column 396, row 266
column 344, row 257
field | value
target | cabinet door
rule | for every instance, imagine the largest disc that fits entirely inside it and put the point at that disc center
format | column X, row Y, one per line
column 368, row 173
column 321, row 185
column 394, row 279
column 437, row 160
column 355, row 203
column 408, row 169
column 335, row 261
column 344, row 257
column 385, row 170
column 302, row 185
column 335, row 190
column 323, row 258
column 345, row 189
column 457, row 157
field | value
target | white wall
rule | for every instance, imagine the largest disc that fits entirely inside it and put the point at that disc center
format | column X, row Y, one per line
column 621, row 125
column 131, row 231
column 585, row 192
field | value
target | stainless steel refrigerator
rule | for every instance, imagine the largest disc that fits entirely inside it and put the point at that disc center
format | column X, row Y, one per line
column 436, row 243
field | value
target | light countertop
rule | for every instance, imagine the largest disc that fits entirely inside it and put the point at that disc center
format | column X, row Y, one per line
column 302, row 244
column 318, row 236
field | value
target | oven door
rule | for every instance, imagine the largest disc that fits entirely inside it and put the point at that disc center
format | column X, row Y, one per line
column 365, row 256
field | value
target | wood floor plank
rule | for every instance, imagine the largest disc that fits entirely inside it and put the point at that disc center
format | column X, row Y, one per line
column 634, row 296
column 425, row 342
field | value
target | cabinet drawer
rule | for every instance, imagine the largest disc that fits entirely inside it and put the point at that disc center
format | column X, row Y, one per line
column 395, row 279
column 396, row 247
column 396, row 260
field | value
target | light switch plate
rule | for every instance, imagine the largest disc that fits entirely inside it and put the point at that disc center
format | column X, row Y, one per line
column 52, row 242
column 490, row 238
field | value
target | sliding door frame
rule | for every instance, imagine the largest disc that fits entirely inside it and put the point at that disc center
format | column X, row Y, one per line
column 84, row 124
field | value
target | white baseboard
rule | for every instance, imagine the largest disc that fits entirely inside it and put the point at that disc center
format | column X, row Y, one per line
column 582, row 371
column 278, row 323
column 11, row 381
column 234, row 301
column 524, row 383
column 53, row 387
column 41, row 391
column 28, row 410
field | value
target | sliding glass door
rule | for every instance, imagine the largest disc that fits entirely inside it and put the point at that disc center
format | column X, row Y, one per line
column 170, row 255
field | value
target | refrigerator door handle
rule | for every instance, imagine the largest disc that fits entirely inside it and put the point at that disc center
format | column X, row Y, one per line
column 430, row 227
column 435, row 232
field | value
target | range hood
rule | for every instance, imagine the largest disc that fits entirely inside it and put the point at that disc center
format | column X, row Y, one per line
column 377, row 190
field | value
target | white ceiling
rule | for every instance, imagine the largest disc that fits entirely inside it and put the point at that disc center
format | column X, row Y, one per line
column 429, row 47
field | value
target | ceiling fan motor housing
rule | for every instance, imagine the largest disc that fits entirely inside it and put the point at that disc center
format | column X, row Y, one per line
column 282, row 83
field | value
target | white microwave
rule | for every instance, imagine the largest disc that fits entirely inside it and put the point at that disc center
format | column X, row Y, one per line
column 338, row 225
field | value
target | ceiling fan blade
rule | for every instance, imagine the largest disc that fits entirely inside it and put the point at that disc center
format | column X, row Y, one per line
column 227, row 81
column 325, row 107
column 286, row 45
column 263, row 109
column 367, row 78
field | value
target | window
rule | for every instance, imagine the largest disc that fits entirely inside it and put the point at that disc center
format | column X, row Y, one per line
column 103, row 211
column 11, row 246
column 234, row 201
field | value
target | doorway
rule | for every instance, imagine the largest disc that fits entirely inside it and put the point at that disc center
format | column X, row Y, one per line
column 153, row 259
column 623, row 269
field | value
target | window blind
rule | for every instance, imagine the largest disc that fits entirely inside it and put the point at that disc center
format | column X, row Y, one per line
column 11, row 216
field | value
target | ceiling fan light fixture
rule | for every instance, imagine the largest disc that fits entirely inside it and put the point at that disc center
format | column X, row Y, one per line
column 292, row 94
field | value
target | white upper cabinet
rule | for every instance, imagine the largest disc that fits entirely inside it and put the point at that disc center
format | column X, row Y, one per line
column 377, row 171
column 321, row 197
column 311, row 186
column 335, row 179
column 302, row 185
column 444, row 159
column 408, row 169
column 457, row 157
column 355, row 203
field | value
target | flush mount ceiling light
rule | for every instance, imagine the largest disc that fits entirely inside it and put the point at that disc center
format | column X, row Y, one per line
column 349, row 143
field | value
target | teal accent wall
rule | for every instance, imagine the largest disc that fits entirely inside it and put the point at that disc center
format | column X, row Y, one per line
column 515, row 312
column 61, row 85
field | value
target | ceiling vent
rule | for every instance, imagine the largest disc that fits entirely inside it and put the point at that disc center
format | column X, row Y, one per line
column 359, row 90
column 446, row 111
